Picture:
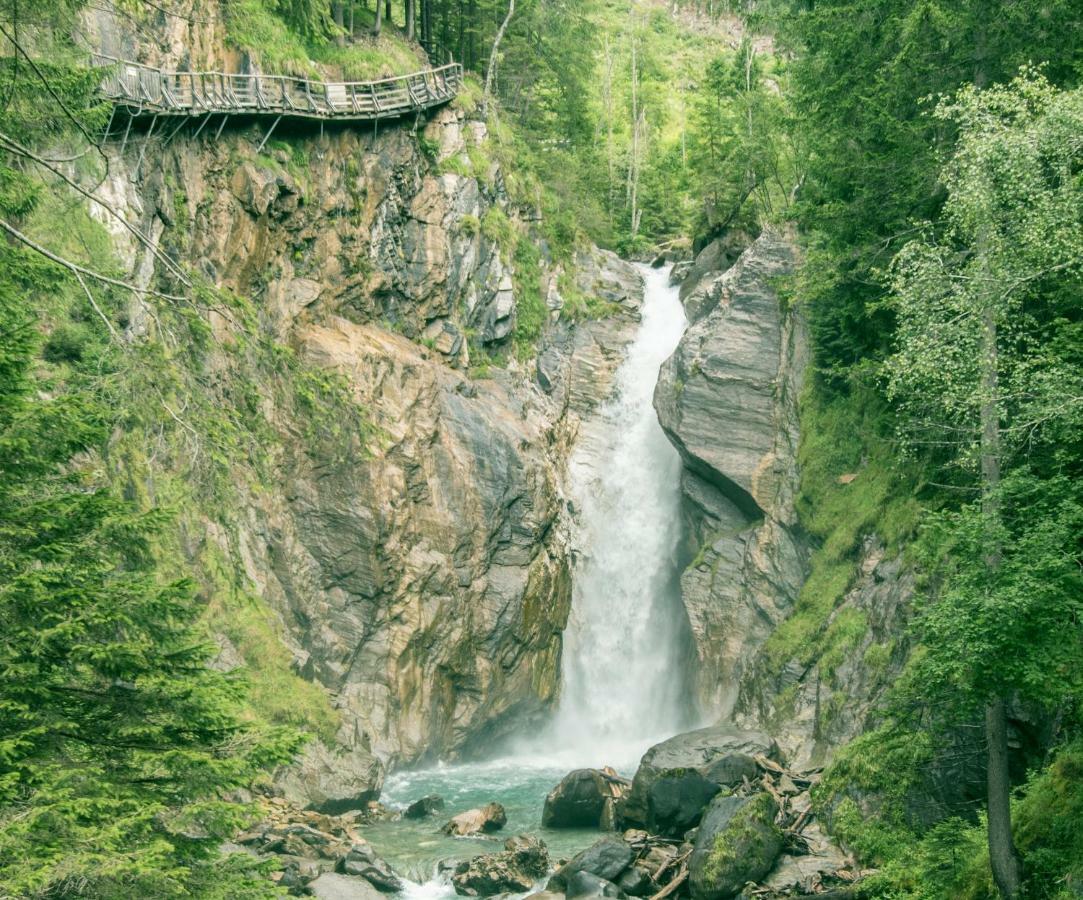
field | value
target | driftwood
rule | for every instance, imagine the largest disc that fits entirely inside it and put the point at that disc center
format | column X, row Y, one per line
column 671, row 888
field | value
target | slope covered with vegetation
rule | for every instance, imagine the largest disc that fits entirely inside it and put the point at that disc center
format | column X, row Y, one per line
column 931, row 154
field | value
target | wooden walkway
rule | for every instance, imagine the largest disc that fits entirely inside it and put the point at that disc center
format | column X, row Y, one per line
column 145, row 91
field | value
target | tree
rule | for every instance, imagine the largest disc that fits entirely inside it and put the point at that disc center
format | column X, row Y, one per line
column 986, row 370
column 490, row 71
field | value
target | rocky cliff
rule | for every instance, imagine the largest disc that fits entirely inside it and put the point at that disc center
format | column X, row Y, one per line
column 728, row 399
column 410, row 545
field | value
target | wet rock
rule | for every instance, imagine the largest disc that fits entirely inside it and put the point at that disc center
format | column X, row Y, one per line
column 485, row 820
column 738, row 842
column 586, row 884
column 425, row 807
column 584, row 798
column 636, row 882
column 742, row 362
column 524, row 860
column 332, row 886
column 820, row 861
column 607, row 859
column 332, row 781
column 362, row 861
column 677, row 778
column 714, row 259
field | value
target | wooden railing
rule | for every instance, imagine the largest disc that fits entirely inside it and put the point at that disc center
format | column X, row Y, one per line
column 144, row 90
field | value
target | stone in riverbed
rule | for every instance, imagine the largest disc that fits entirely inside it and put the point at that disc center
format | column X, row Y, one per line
column 331, row 886
column 585, row 884
column 738, row 842
column 584, row 798
column 607, row 859
column 425, row 807
column 525, row 859
column 362, row 861
column 489, row 818
column 677, row 778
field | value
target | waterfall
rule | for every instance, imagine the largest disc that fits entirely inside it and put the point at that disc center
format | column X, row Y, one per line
column 623, row 668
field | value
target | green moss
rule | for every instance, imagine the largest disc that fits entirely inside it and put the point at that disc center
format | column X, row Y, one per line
column 530, row 308
column 746, row 837
column 843, row 635
column 498, row 228
column 470, row 225
column 853, row 484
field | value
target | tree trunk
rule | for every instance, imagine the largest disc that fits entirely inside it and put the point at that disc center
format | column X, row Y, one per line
column 378, row 25
column 338, row 11
column 388, row 13
column 410, row 19
column 490, row 73
column 1003, row 857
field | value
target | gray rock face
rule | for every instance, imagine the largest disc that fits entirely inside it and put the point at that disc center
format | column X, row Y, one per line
column 584, row 798
column 413, row 561
column 727, row 399
column 813, row 709
column 332, row 782
column 737, row 842
column 677, row 778
column 525, row 860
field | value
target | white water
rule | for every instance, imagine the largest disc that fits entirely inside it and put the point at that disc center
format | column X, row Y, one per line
column 622, row 676
column 622, row 667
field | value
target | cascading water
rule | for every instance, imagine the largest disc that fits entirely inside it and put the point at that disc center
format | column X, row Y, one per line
column 622, row 649
column 623, row 672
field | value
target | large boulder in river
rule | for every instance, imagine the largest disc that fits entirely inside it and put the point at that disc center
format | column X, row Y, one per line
column 491, row 817
column 606, row 859
column 524, row 860
column 585, row 798
column 738, row 842
column 677, row 778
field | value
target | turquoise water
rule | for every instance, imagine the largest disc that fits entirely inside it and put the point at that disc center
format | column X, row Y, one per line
column 415, row 848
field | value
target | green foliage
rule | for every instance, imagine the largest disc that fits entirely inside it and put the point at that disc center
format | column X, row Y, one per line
column 498, row 228
column 296, row 37
column 861, row 79
column 530, row 308
column 853, row 485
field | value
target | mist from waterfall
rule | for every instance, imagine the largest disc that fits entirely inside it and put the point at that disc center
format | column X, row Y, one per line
column 623, row 684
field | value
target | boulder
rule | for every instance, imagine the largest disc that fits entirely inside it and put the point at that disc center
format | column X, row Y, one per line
column 584, row 884
column 332, row 886
column 524, row 860
column 361, row 861
column 332, row 782
column 606, row 859
column 425, row 807
column 677, row 778
column 636, row 881
column 738, row 842
column 584, row 798
column 485, row 820
column 717, row 257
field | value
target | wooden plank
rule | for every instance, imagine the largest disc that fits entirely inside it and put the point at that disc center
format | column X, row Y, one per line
column 145, row 89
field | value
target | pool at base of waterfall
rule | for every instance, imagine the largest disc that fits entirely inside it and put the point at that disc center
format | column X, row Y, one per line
column 416, row 848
